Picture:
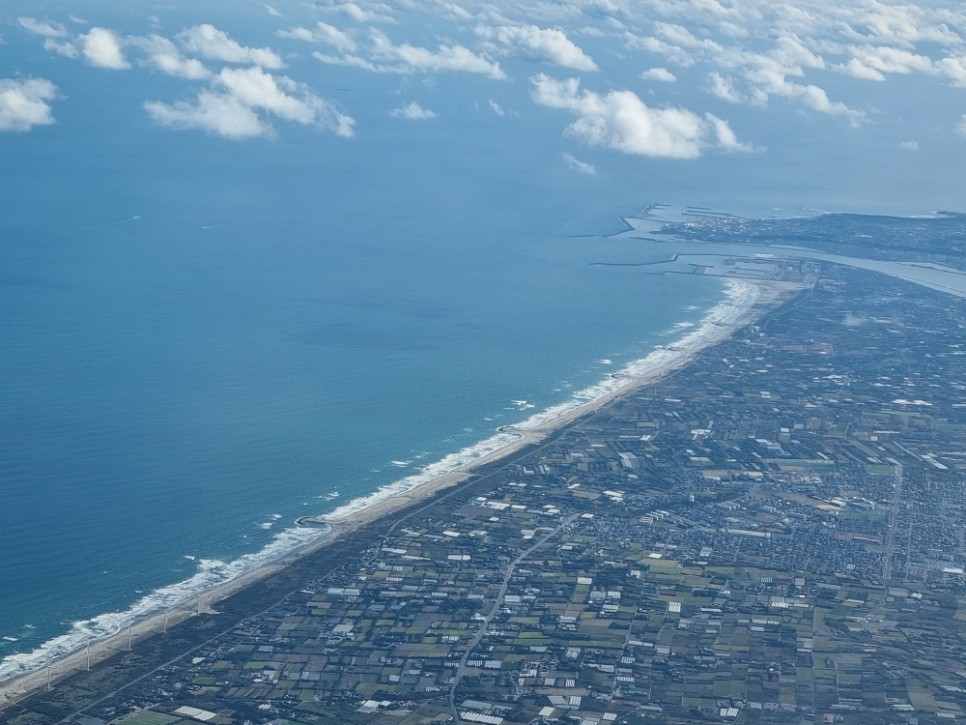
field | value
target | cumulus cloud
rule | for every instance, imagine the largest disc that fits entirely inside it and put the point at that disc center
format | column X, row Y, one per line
column 898, row 23
column 581, row 167
column 740, row 74
column 547, row 44
column 102, row 49
column 239, row 100
column 723, row 135
column 163, row 55
column 875, row 62
column 953, row 67
column 375, row 13
column 383, row 56
column 724, row 88
column 658, row 74
column 25, row 103
column 355, row 61
column 451, row 10
column 857, row 69
column 446, row 58
column 792, row 54
column 64, row 48
column 221, row 114
column 685, row 41
column 814, row 98
column 258, row 89
column 769, row 74
column 43, row 28
column 761, row 76
column 297, row 33
column 413, row 112
column 673, row 53
column 499, row 110
column 209, row 42
column 322, row 33
column 622, row 121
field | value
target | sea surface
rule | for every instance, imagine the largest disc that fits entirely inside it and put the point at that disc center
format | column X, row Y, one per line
column 203, row 340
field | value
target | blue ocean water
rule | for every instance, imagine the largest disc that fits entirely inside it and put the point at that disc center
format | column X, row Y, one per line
column 203, row 340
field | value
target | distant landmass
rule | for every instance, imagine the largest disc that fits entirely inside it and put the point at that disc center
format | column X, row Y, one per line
column 940, row 238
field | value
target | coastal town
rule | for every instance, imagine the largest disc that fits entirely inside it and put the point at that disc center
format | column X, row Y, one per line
column 775, row 533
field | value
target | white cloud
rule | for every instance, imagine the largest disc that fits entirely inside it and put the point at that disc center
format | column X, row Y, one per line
column 496, row 108
column 767, row 74
column 66, row 49
column 297, row 33
column 752, row 73
column 658, row 74
column 622, row 121
column 221, row 114
column 209, row 42
column 909, row 146
column 581, row 167
column 858, row 69
column 376, row 13
column 322, row 33
column 258, row 89
column 723, row 88
column 354, row 61
column 898, row 23
column 102, row 49
column 681, row 36
column 954, row 68
column 451, row 11
column 446, row 58
column 44, row 28
column 231, row 107
column 676, row 55
column 874, row 62
column 412, row 111
column 894, row 60
column 961, row 126
column 547, row 44
column 816, row 99
column 724, row 136
column 383, row 56
column 25, row 104
column 790, row 53
column 164, row 55
column 272, row 11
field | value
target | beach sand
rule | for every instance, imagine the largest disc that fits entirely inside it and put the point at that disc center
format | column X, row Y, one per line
column 748, row 301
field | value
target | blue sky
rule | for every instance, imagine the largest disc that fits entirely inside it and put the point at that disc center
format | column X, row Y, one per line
column 870, row 93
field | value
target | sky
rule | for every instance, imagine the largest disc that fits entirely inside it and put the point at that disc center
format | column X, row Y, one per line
column 839, row 104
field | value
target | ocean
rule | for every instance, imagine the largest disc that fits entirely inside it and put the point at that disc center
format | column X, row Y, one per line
column 203, row 340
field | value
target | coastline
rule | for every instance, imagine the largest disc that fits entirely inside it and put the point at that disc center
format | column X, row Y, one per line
column 745, row 302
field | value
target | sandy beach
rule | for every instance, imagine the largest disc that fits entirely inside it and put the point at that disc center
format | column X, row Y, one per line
column 748, row 301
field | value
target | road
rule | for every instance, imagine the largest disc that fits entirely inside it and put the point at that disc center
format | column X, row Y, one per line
column 497, row 604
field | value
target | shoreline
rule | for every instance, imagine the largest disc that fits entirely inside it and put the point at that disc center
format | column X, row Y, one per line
column 746, row 301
